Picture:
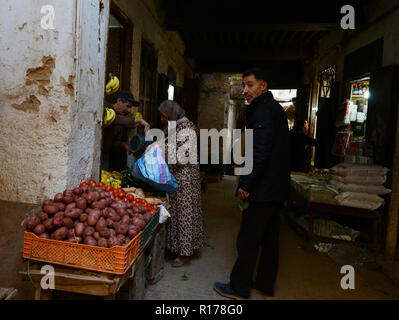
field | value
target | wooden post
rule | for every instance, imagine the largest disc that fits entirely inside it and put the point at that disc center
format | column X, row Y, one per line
column 392, row 228
column 157, row 254
column 41, row 294
column 137, row 283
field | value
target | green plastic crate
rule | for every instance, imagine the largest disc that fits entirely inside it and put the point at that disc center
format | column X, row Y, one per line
column 149, row 230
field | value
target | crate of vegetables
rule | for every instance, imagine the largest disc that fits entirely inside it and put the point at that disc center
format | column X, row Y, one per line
column 149, row 230
column 86, row 228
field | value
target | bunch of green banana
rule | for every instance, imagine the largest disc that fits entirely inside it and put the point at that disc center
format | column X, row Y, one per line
column 109, row 116
column 112, row 85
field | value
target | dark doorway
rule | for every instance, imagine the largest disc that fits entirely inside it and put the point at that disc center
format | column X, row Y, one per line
column 119, row 48
column 148, row 83
column 325, row 127
column 119, row 53
column 190, row 99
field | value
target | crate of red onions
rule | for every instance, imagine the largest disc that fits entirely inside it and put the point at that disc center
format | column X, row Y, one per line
column 87, row 228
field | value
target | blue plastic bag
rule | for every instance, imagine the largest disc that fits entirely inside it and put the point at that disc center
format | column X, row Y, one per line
column 152, row 169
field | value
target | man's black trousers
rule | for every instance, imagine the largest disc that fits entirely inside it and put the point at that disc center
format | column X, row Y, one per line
column 260, row 228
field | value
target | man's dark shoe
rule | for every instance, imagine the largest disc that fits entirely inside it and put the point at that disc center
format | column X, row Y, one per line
column 268, row 293
column 224, row 290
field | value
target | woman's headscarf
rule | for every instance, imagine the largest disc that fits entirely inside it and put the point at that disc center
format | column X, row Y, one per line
column 171, row 110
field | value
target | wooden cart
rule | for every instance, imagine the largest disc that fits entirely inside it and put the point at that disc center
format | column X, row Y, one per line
column 103, row 284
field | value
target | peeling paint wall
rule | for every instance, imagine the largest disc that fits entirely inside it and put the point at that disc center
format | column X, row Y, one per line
column 85, row 141
column 49, row 110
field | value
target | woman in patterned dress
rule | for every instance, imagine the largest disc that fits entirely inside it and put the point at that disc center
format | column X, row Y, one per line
column 185, row 227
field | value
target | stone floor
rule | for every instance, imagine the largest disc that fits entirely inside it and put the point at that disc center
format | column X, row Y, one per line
column 302, row 274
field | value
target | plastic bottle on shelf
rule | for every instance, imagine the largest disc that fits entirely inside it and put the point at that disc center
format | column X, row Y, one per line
column 354, row 91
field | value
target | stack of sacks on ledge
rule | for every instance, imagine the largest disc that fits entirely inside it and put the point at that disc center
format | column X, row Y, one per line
column 360, row 185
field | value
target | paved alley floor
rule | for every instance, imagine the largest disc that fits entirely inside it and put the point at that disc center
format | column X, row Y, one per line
column 302, row 274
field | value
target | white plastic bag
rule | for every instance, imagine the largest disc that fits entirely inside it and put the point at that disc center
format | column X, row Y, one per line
column 163, row 214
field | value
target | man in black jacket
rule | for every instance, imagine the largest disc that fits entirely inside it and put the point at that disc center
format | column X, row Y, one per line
column 265, row 189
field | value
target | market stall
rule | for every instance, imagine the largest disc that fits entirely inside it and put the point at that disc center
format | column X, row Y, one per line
column 98, row 239
column 320, row 192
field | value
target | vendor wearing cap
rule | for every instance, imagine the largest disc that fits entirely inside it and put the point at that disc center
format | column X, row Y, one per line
column 115, row 135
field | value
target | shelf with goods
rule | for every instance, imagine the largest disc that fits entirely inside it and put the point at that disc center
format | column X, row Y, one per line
column 350, row 143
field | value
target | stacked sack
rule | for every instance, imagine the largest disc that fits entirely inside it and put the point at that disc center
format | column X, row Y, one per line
column 360, row 185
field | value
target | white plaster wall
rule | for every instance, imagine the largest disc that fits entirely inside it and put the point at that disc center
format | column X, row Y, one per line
column 35, row 116
column 85, row 141
column 47, row 109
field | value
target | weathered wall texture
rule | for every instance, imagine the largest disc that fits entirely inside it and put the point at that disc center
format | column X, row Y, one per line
column 215, row 108
column 48, row 135
column 214, row 101
column 332, row 49
column 147, row 21
column 85, row 140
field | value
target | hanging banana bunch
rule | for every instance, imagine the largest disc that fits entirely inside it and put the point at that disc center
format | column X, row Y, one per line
column 109, row 116
column 112, row 85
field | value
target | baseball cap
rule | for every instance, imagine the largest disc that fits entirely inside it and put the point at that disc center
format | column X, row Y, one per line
column 127, row 95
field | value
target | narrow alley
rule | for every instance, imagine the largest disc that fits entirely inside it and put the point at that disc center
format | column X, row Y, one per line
column 302, row 274
column 133, row 129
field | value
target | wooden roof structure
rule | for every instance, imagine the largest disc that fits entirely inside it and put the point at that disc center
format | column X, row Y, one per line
column 230, row 36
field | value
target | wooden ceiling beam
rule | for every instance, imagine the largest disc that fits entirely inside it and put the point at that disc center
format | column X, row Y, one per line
column 257, row 52
column 173, row 25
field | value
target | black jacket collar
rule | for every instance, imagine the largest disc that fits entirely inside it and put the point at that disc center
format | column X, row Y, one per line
column 258, row 100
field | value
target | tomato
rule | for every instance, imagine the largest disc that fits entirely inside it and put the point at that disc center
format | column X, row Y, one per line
column 91, row 182
column 121, row 194
column 101, row 184
column 125, row 199
column 109, row 188
column 120, row 190
column 145, row 203
column 130, row 197
column 82, row 184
